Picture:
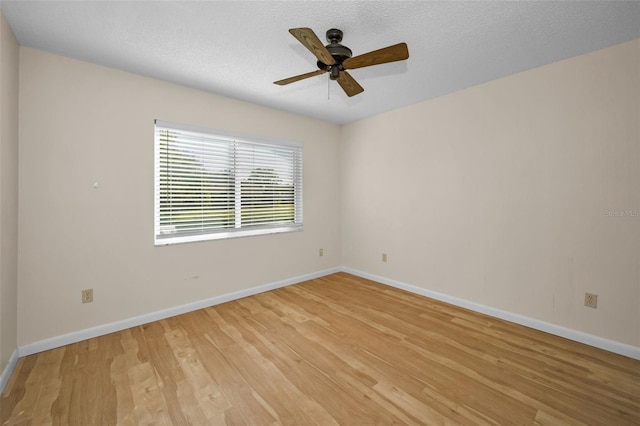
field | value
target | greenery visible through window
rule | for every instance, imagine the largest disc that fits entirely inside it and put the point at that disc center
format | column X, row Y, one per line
column 211, row 186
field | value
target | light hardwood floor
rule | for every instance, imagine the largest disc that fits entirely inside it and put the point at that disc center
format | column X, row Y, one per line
column 334, row 350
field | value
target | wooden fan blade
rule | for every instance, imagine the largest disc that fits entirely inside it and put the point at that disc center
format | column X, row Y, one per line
column 397, row 52
column 349, row 84
column 310, row 40
column 299, row 77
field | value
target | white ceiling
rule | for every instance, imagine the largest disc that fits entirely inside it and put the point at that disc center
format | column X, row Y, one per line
column 239, row 48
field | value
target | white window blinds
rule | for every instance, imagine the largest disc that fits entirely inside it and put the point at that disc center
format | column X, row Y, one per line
column 211, row 186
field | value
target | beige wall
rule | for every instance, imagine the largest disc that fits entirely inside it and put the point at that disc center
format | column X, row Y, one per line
column 504, row 188
column 80, row 124
column 8, row 192
column 497, row 194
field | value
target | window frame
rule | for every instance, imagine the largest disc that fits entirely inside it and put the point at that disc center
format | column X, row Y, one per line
column 237, row 232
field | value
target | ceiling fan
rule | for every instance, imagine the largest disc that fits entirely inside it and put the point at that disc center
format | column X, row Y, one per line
column 336, row 59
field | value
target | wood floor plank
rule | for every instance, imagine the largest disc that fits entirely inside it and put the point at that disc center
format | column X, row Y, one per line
column 335, row 350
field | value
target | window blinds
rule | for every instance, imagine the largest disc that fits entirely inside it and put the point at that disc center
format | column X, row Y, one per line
column 210, row 186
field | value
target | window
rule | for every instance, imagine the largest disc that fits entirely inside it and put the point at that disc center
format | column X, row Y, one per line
column 212, row 186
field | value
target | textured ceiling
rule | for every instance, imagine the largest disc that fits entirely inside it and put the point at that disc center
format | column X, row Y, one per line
column 238, row 48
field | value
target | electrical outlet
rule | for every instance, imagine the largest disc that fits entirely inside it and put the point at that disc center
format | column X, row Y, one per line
column 591, row 300
column 384, row 257
column 87, row 295
column 321, row 252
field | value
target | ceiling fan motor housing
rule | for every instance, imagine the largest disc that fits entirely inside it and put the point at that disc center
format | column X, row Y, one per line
column 339, row 53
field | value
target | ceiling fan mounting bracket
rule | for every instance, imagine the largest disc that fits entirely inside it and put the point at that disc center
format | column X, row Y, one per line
column 334, row 35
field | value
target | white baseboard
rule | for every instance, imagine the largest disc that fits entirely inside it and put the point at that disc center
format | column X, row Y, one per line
column 8, row 370
column 77, row 336
column 578, row 336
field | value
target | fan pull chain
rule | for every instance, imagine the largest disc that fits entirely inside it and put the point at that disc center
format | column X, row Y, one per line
column 328, row 89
